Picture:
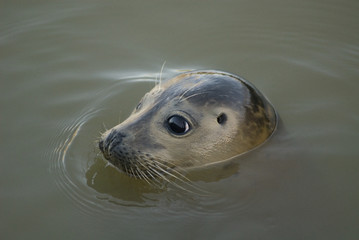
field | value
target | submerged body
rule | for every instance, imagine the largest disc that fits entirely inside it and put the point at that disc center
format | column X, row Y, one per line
column 194, row 119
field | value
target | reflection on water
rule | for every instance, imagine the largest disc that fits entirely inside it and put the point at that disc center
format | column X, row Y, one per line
column 106, row 179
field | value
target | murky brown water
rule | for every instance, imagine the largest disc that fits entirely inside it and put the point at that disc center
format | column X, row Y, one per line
column 69, row 69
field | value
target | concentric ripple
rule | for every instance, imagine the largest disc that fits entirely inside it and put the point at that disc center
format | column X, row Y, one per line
column 79, row 170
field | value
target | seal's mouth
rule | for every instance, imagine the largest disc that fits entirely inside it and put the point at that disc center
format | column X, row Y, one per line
column 109, row 142
column 132, row 162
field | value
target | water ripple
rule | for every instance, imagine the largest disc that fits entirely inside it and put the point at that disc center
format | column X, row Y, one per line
column 98, row 188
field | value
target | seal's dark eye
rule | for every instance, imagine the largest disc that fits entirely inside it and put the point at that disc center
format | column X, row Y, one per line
column 178, row 125
column 222, row 118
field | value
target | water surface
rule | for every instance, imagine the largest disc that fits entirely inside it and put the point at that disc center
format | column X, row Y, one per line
column 69, row 70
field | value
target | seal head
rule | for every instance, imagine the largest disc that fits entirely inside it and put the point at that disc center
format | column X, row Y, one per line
column 194, row 119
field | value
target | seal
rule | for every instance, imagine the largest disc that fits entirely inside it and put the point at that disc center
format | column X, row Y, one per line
column 195, row 119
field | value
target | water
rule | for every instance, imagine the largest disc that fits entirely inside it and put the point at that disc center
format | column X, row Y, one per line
column 70, row 69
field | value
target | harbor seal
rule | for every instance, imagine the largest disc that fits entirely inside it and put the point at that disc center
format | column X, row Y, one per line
column 195, row 119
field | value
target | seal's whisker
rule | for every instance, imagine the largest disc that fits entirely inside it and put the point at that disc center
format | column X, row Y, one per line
column 147, row 179
column 133, row 173
column 173, row 170
column 189, row 89
column 167, row 180
column 101, row 132
column 104, row 126
column 154, row 178
column 172, row 175
column 154, row 175
column 137, row 173
column 98, row 138
column 180, row 177
column 156, row 80
column 160, row 80
column 126, row 169
column 193, row 95
column 140, row 173
column 143, row 174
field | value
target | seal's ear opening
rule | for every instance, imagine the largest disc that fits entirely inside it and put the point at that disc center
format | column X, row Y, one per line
column 222, row 118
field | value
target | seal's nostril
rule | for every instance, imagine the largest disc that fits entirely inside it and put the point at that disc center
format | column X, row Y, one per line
column 108, row 142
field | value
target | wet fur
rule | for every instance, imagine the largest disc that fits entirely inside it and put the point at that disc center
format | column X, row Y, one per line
column 141, row 147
